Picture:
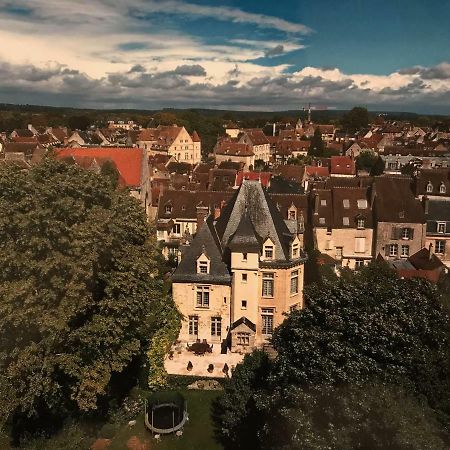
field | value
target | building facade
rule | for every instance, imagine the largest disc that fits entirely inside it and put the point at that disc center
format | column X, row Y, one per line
column 241, row 273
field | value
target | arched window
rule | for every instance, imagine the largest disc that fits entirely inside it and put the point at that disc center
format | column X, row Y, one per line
column 429, row 187
column 442, row 188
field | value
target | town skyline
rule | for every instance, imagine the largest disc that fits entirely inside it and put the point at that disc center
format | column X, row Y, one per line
column 234, row 56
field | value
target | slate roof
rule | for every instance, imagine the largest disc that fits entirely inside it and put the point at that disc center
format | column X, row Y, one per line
column 438, row 211
column 205, row 241
column 437, row 177
column 395, row 201
column 263, row 213
column 245, row 238
column 245, row 321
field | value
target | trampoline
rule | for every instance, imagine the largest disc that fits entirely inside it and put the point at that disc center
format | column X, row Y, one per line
column 165, row 412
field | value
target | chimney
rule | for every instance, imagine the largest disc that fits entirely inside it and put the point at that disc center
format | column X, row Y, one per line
column 373, row 194
column 425, row 204
column 316, row 204
column 202, row 214
column 274, row 127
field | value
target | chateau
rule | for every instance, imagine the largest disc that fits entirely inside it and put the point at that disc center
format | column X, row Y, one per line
column 241, row 273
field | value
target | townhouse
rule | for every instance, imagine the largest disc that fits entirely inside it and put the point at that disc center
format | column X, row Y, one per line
column 240, row 274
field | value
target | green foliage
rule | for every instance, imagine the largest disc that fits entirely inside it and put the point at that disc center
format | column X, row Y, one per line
column 110, row 171
column 169, row 323
column 356, row 119
column 370, row 162
column 317, row 146
column 371, row 416
column 72, row 437
column 237, row 414
column 78, row 285
column 370, row 325
column 108, row 431
column 79, row 122
column 364, row 365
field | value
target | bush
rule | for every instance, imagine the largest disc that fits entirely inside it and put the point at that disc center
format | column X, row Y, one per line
column 160, row 344
column 108, row 431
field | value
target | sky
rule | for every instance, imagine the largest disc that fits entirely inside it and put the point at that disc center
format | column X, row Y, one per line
column 264, row 55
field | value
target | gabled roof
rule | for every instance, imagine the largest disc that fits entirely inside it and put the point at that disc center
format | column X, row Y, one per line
column 343, row 165
column 129, row 161
column 264, row 215
column 244, row 321
column 204, row 242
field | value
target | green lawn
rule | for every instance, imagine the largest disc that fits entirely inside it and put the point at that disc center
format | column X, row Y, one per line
column 197, row 434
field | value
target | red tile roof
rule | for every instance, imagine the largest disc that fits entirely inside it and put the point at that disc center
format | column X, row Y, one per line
column 127, row 160
column 318, row 171
column 342, row 165
column 262, row 177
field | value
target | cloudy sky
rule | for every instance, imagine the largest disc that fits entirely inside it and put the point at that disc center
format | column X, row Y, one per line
column 252, row 54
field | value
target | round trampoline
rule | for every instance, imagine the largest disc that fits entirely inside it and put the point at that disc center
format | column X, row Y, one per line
column 165, row 412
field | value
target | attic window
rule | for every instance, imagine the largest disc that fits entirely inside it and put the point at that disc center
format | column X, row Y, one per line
column 168, row 209
column 429, row 187
column 268, row 252
column 362, row 204
column 322, row 220
column 346, row 203
column 203, row 265
column 442, row 188
column 361, row 223
column 183, row 208
column 323, row 203
column 345, row 221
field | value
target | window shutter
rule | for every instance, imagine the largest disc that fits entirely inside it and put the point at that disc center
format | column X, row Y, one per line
column 394, row 233
column 386, row 250
column 411, row 233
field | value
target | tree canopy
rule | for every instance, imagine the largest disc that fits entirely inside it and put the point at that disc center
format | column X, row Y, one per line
column 355, row 119
column 360, row 338
column 316, row 147
column 78, row 284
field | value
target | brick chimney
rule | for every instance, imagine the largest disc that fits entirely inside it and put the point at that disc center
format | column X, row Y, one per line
column 202, row 214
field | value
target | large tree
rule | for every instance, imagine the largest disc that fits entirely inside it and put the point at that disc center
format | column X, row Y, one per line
column 356, row 119
column 364, row 328
column 317, row 146
column 78, row 279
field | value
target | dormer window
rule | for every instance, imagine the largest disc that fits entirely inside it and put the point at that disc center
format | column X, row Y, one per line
column 441, row 227
column 203, row 267
column 442, row 188
column 361, row 223
column 429, row 187
column 295, row 251
column 268, row 252
column 168, row 209
column 203, row 264
column 292, row 214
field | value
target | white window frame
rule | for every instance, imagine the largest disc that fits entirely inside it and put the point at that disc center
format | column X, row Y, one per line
column 216, row 327
column 203, row 267
column 429, row 187
column 267, row 321
column 193, row 325
column 406, row 235
column 339, row 252
column 404, row 251
column 393, row 250
column 202, row 297
column 361, row 223
column 441, row 227
column 268, row 252
column 268, row 284
column 439, row 247
column 294, row 282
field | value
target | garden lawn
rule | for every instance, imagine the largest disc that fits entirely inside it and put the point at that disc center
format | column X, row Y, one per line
column 198, row 433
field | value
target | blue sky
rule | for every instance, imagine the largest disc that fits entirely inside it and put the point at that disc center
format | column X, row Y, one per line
column 260, row 55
